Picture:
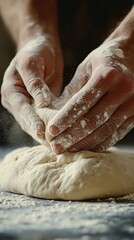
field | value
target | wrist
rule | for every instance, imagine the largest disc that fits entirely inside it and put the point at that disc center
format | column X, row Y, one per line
column 35, row 21
column 32, row 32
column 123, row 38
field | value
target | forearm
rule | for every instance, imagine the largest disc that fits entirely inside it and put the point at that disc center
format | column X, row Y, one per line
column 27, row 19
column 125, row 29
column 123, row 36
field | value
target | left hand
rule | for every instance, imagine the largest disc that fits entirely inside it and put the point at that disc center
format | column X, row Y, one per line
column 100, row 111
column 34, row 74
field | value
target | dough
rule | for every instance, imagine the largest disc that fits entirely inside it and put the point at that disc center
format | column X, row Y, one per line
column 37, row 171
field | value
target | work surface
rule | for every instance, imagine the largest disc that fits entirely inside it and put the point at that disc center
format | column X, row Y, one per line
column 28, row 218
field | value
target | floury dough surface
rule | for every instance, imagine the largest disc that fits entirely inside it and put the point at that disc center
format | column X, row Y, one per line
column 37, row 171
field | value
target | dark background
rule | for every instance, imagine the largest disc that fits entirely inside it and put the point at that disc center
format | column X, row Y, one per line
column 83, row 24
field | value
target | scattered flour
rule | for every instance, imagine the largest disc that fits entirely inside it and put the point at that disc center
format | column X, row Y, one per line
column 83, row 123
column 37, row 217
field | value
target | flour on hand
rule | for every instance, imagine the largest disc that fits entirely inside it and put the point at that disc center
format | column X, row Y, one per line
column 37, row 171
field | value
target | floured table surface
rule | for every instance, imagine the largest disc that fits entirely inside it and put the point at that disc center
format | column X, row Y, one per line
column 28, row 218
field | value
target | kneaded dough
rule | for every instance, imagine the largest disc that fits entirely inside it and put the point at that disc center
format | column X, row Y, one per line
column 37, row 171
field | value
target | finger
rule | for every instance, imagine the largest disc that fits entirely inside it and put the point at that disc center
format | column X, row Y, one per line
column 29, row 121
column 98, row 136
column 12, row 83
column 82, row 101
column 18, row 103
column 32, row 71
column 91, row 121
column 106, row 130
column 119, row 134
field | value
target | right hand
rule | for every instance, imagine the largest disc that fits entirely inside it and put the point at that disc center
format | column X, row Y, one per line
column 100, row 107
column 35, row 69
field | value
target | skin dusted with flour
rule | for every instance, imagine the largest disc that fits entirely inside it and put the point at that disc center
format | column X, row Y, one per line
column 36, row 69
column 99, row 99
column 102, row 94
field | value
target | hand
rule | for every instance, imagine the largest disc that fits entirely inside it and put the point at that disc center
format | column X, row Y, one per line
column 100, row 111
column 35, row 69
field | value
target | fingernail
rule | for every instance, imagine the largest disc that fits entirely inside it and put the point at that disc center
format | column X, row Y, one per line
column 40, row 132
column 53, row 130
column 57, row 148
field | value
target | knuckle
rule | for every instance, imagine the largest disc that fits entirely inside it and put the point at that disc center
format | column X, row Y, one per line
column 84, row 145
column 104, row 131
column 34, row 85
column 108, row 78
column 108, row 128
